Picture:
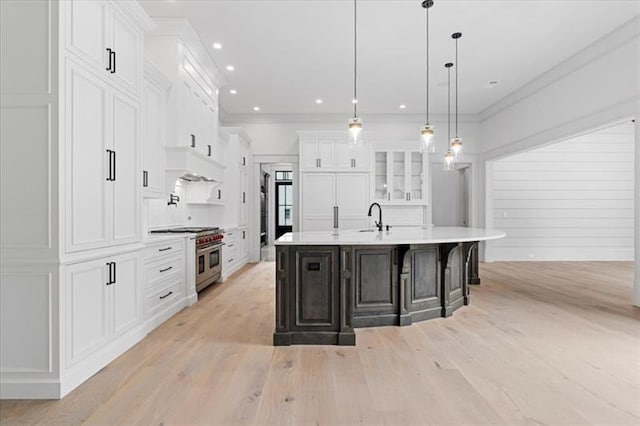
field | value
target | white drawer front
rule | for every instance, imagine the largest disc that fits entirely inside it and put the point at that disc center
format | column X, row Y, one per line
column 158, row 250
column 160, row 270
column 168, row 294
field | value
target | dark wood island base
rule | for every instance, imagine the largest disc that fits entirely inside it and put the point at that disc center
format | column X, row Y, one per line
column 323, row 292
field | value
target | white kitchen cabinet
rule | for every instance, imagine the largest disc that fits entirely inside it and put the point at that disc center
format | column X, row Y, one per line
column 126, row 177
column 154, row 101
column 323, row 193
column 80, row 126
column 399, row 177
column 102, row 163
column 102, row 302
column 89, row 196
column 101, row 35
column 332, row 151
column 235, row 251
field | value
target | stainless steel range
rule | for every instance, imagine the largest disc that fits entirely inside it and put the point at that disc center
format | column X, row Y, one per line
column 208, row 253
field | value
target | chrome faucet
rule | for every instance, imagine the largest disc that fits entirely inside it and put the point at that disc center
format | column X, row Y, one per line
column 379, row 222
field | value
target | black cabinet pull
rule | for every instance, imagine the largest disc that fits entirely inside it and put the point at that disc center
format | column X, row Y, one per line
column 244, row 197
column 209, row 148
column 114, row 272
column 110, row 280
column 166, row 295
column 219, row 194
column 165, row 249
column 230, row 245
column 145, row 178
column 166, row 269
column 113, row 70
column 193, row 140
column 109, row 177
column 244, row 161
column 244, row 235
column 230, row 260
column 113, row 164
column 110, row 58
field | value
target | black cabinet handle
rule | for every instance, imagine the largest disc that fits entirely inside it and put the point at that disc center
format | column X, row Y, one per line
column 230, row 245
column 230, row 260
column 166, row 295
column 110, row 280
column 193, row 140
column 145, row 178
column 219, row 194
column 166, row 269
column 244, row 235
column 209, row 153
column 109, row 51
column 114, row 272
column 110, row 177
column 165, row 249
column 113, row 70
column 244, row 161
column 113, row 164
column 244, row 197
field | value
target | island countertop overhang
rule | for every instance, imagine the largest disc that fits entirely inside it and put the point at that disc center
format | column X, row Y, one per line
column 394, row 236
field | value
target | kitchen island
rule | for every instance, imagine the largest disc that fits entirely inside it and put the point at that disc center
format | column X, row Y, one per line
column 328, row 283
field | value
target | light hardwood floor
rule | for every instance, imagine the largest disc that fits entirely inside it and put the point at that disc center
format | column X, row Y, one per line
column 542, row 343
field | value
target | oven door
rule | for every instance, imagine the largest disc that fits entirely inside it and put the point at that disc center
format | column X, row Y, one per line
column 207, row 265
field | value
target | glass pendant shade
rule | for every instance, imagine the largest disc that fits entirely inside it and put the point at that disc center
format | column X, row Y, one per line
column 449, row 162
column 456, row 148
column 355, row 127
column 427, row 144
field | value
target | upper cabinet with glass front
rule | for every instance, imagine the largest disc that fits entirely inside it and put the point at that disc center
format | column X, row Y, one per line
column 399, row 177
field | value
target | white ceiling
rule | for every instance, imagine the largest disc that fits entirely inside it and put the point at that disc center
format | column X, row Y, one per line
column 287, row 54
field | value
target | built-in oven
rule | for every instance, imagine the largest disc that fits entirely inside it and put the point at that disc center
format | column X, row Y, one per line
column 208, row 264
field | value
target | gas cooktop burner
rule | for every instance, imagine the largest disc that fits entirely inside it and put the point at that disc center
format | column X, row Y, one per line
column 184, row 230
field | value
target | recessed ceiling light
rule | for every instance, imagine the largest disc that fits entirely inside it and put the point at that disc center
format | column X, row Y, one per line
column 230, row 68
column 256, row 108
column 233, row 91
column 403, row 106
column 318, row 101
column 217, row 46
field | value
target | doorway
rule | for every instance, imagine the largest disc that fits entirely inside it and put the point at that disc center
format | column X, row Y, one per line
column 283, row 203
column 450, row 195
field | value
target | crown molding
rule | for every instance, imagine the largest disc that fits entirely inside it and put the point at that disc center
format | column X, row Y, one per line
column 135, row 12
column 258, row 118
column 182, row 28
column 626, row 33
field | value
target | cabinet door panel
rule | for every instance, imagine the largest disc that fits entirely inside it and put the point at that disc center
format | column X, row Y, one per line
column 345, row 153
column 88, row 193
column 381, row 176
column 361, row 156
column 308, row 153
column 398, row 176
column 415, row 176
column 125, row 204
column 126, row 300
column 86, row 309
column 153, row 138
column 127, row 43
column 352, row 198
column 86, row 31
column 318, row 200
column 326, row 153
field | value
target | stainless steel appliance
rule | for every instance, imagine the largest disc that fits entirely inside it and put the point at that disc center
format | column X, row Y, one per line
column 208, row 253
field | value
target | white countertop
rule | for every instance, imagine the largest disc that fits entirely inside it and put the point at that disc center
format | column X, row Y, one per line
column 414, row 235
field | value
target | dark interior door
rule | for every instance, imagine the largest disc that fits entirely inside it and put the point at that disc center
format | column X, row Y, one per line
column 284, row 208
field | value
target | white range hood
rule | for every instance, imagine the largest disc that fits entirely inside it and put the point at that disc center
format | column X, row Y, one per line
column 200, row 175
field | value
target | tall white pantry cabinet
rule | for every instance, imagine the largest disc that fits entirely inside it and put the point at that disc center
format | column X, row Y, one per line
column 71, row 176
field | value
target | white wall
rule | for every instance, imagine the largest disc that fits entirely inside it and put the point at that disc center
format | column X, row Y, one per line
column 571, row 200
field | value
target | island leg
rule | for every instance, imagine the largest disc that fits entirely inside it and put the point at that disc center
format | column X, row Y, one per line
column 282, row 335
column 346, row 335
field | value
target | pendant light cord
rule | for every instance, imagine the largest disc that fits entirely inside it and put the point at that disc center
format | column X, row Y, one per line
column 427, row 91
column 456, row 87
column 355, row 59
column 449, row 105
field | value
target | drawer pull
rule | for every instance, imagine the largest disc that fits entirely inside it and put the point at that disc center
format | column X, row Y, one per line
column 166, row 295
column 165, row 249
column 166, row 269
column 230, row 245
column 230, row 260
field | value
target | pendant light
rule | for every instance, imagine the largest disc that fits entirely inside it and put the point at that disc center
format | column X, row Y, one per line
column 426, row 134
column 449, row 158
column 456, row 143
column 355, row 125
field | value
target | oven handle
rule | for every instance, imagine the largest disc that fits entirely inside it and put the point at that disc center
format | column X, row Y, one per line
column 209, row 248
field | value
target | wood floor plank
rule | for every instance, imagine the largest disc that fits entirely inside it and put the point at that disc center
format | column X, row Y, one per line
column 541, row 343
